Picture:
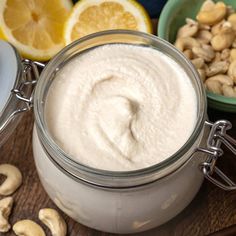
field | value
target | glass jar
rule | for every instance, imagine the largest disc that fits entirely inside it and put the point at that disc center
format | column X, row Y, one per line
column 130, row 201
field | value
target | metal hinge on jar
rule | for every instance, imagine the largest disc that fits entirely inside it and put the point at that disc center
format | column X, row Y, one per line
column 218, row 136
column 30, row 75
column 25, row 90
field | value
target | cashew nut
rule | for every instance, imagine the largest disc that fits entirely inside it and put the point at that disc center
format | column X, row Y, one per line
column 207, row 5
column 13, row 180
column 188, row 30
column 222, row 79
column 217, row 28
column 198, row 63
column 232, row 20
column 222, row 27
column 225, row 55
column 186, row 43
column 233, row 54
column 202, row 74
column 204, row 27
column 5, row 210
column 215, row 68
column 214, row 87
column 222, row 41
column 232, row 70
column 217, row 57
column 205, row 52
column 229, row 91
column 212, row 13
column 188, row 53
column 53, row 221
column 226, row 28
column 204, row 36
column 27, row 228
column 210, row 43
column 234, row 43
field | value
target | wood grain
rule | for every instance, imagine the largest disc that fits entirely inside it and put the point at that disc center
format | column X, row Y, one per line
column 229, row 231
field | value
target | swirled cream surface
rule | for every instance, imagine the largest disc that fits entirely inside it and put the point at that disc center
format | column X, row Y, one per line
column 121, row 107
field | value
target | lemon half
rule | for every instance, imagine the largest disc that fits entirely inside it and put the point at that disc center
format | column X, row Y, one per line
column 90, row 16
column 34, row 27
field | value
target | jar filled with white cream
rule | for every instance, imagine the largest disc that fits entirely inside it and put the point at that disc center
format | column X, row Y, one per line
column 121, row 139
column 121, row 107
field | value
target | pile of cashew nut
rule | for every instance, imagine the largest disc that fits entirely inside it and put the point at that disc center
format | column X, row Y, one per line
column 210, row 43
column 50, row 217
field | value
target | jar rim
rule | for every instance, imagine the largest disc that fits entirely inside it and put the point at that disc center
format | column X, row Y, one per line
column 46, row 138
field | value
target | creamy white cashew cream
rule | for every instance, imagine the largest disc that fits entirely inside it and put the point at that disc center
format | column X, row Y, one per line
column 121, row 107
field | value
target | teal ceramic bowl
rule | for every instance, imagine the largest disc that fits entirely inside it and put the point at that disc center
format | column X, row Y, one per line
column 172, row 18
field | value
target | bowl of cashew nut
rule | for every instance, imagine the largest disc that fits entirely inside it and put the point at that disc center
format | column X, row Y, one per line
column 205, row 31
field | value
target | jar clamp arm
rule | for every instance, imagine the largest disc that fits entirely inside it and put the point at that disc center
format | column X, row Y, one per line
column 30, row 76
column 217, row 137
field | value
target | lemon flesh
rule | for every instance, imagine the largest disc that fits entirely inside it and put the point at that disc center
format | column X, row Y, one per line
column 34, row 27
column 90, row 16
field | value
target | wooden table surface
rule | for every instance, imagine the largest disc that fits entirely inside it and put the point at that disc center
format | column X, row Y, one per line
column 212, row 209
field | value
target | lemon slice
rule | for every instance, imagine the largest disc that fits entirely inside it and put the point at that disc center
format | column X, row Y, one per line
column 1, row 34
column 34, row 27
column 90, row 16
